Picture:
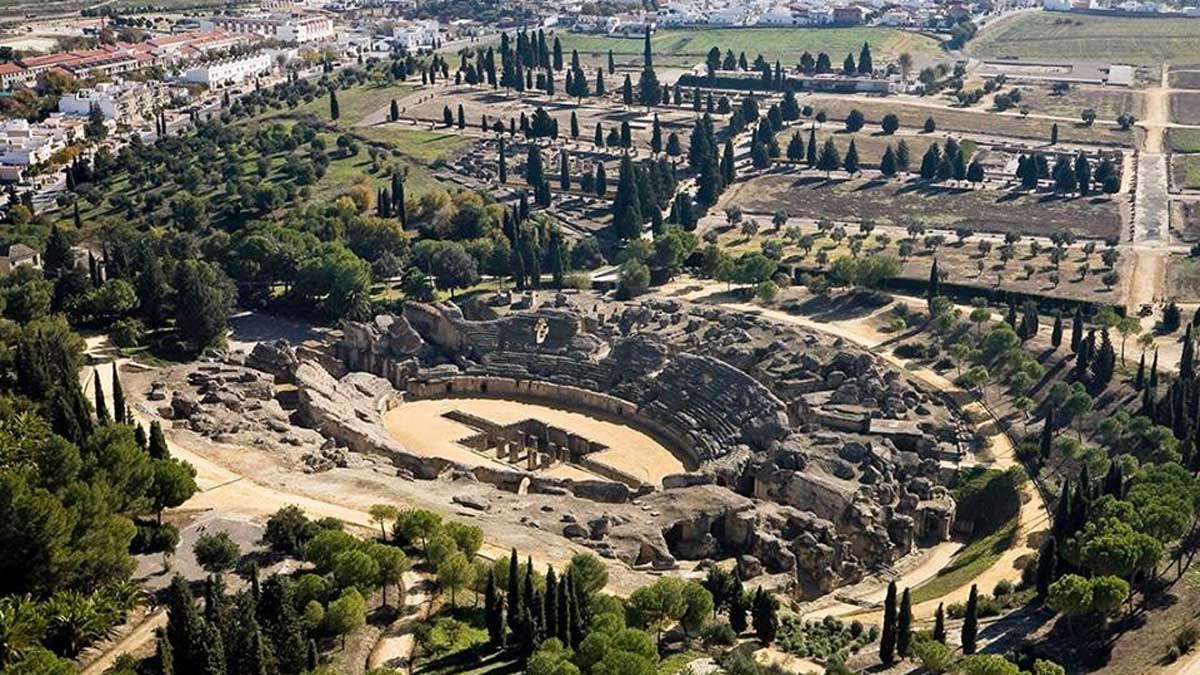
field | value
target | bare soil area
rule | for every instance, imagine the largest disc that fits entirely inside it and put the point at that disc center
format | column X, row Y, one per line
column 422, row 427
column 1185, row 107
column 812, row 196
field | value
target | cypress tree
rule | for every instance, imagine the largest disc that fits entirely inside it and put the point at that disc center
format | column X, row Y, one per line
column 810, row 153
column 565, row 603
column 1139, row 380
column 939, row 624
column 1047, row 564
column 1076, row 330
column 1153, row 382
column 935, row 281
column 1187, row 366
column 163, row 655
column 970, row 627
column 1056, row 333
column 493, row 611
column 312, row 657
column 158, row 443
column 737, row 607
column 1114, row 480
column 513, row 604
column 139, row 436
column 398, row 196
column 102, row 416
column 550, row 611
column 627, row 214
column 887, row 640
column 334, row 110
column 904, row 625
column 529, row 601
column 1047, row 436
column 766, row 622
column 576, row 612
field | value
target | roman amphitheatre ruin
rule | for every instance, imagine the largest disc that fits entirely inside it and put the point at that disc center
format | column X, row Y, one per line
column 658, row 434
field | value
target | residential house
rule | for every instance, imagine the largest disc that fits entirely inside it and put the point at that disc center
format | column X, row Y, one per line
column 16, row 255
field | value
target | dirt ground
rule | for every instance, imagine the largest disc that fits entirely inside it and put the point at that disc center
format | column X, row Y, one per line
column 421, row 427
column 1185, row 107
column 810, row 195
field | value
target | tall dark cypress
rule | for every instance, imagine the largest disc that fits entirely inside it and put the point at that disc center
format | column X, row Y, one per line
column 565, row 604
column 550, row 613
column 120, row 412
column 158, row 442
column 493, row 611
column 1047, row 565
column 1056, row 333
column 1076, row 330
column 163, row 656
column 102, row 416
column 934, row 282
column 904, row 625
column 1139, row 380
column 939, row 624
column 513, row 605
column 970, row 627
column 1047, row 436
column 1062, row 510
column 1187, row 365
column 1153, row 383
column 576, row 612
column 737, row 607
column 887, row 640
column 529, row 600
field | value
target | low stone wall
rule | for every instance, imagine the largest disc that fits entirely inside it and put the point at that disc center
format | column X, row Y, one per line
column 585, row 400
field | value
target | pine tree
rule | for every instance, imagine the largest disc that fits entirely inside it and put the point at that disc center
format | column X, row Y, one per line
column 887, row 639
column 102, row 416
column 939, row 625
column 970, row 625
column 904, row 625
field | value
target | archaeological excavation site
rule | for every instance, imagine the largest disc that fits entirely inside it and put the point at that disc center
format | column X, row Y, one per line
column 659, row 434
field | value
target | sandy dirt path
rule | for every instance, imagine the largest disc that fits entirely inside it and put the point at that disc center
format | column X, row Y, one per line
column 140, row 636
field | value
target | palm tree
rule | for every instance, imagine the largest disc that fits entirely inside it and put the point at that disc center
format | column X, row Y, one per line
column 22, row 626
column 75, row 620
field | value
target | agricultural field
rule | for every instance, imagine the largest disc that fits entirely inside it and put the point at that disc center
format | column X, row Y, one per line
column 1058, row 37
column 1185, row 221
column 811, row 196
column 1080, row 275
column 355, row 104
column 689, row 47
column 1185, row 79
column 1183, row 278
column 1183, row 140
column 1185, row 108
column 1185, row 172
column 969, row 121
column 1108, row 102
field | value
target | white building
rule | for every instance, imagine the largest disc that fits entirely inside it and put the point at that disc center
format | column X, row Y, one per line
column 122, row 102
column 26, row 144
column 292, row 28
column 224, row 72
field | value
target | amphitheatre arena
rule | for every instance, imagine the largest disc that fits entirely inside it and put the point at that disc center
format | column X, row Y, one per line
column 653, row 433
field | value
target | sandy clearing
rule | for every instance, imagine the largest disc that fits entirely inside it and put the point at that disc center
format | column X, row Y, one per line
column 420, row 426
column 139, row 636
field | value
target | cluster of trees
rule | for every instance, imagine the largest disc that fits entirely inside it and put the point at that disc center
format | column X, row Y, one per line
column 774, row 78
column 1070, row 175
column 950, row 163
column 79, row 490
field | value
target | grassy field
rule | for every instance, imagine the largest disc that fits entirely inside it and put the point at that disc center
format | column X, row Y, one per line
column 354, row 104
column 1185, row 108
column 968, row 564
column 1185, row 172
column 1183, row 140
column 1058, row 37
column 688, row 47
column 1108, row 103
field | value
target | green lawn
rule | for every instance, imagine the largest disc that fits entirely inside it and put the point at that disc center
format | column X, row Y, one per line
column 787, row 44
column 968, row 564
column 354, row 103
column 1183, row 140
column 1056, row 36
column 417, row 144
